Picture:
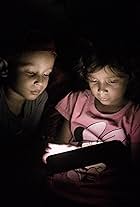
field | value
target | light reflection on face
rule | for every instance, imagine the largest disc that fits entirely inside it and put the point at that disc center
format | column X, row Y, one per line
column 108, row 87
column 32, row 74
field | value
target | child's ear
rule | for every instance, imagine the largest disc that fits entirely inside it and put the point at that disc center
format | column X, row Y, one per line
column 3, row 68
column 3, row 63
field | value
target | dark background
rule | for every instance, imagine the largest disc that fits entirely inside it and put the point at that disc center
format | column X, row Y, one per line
column 110, row 23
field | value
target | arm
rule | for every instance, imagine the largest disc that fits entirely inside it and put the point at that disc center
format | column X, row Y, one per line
column 65, row 135
column 134, row 139
column 135, row 157
column 135, row 148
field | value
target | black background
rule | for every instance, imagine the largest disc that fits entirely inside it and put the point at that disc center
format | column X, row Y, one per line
column 107, row 22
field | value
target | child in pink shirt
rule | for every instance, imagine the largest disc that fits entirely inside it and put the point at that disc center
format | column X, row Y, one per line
column 102, row 113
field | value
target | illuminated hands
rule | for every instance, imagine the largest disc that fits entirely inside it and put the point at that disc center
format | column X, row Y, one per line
column 53, row 149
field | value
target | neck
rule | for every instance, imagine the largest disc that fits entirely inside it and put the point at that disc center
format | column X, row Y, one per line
column 14, row 100
column 111, row 108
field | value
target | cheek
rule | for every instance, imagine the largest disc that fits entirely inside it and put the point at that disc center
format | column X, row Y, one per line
column 20, row 79
column 93, row 87
column 23, row 82
column 120, row 88
column 45, row 83
column 23, row 85
column 117, row 92
column 93, row 90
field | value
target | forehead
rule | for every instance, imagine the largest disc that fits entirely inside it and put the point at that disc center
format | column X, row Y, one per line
column 35, row 55
column 36, row 60
column 104, row 72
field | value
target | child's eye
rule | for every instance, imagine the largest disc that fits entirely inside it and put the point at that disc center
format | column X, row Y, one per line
column 30, row 73
column 45, row 75
column 113, row 81
column 91, row 80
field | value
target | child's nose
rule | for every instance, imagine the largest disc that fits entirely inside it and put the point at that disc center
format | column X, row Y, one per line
column 102, row 87
column 39, row 80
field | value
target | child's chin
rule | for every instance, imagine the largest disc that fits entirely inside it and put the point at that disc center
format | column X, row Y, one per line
column 32, row 98
column 105, row 102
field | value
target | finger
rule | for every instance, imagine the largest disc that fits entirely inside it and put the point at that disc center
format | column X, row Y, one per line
column 44, row 158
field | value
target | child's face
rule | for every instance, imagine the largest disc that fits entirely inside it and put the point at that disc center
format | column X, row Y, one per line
column 107, row 87
column 32, row 74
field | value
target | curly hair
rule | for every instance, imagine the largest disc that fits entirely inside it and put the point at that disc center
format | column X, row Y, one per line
column 31, row 42
column 121, row 65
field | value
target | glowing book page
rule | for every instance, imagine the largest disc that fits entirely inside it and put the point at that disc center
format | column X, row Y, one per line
column 63, row 157
column 60, row 148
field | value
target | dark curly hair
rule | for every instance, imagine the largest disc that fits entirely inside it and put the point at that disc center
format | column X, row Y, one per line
column 121, row 65
column 32, row 41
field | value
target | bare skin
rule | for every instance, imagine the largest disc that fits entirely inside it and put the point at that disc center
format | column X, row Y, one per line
column 32, row 76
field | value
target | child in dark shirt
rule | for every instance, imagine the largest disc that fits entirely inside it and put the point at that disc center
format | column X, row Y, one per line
column 24, row 76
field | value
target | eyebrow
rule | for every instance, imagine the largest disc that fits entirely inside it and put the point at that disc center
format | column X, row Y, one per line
column 48, row 71
column 25, row 64
column 106, row 77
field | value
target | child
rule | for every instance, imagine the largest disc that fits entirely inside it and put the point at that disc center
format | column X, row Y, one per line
column 24, row 76
column 102, row 113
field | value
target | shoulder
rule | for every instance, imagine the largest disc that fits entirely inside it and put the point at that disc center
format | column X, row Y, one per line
column 73, row 101
column 35, row 108
column 133, row 114
column 83, row 97
column 1, row 91
column 134, row 108
column 79, row 94
column 38, row 103
column 73, row 97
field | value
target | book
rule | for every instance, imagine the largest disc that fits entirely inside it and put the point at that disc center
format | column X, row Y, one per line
column 64, row 157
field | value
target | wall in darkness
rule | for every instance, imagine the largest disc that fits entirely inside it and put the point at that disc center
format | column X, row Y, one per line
column 108, row 22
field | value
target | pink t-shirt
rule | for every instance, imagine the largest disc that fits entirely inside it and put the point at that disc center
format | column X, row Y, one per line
column 88, row 124
column 89, row 185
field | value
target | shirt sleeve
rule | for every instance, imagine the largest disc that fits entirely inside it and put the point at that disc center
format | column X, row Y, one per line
column 66, row 105
column 135, row 140
column 33, row 109
column 135, row 132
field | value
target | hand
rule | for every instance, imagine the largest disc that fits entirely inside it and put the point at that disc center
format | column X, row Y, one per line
column 56, row 149
column 46, row 154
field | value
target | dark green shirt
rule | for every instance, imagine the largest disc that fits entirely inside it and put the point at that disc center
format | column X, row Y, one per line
column 21, row 126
